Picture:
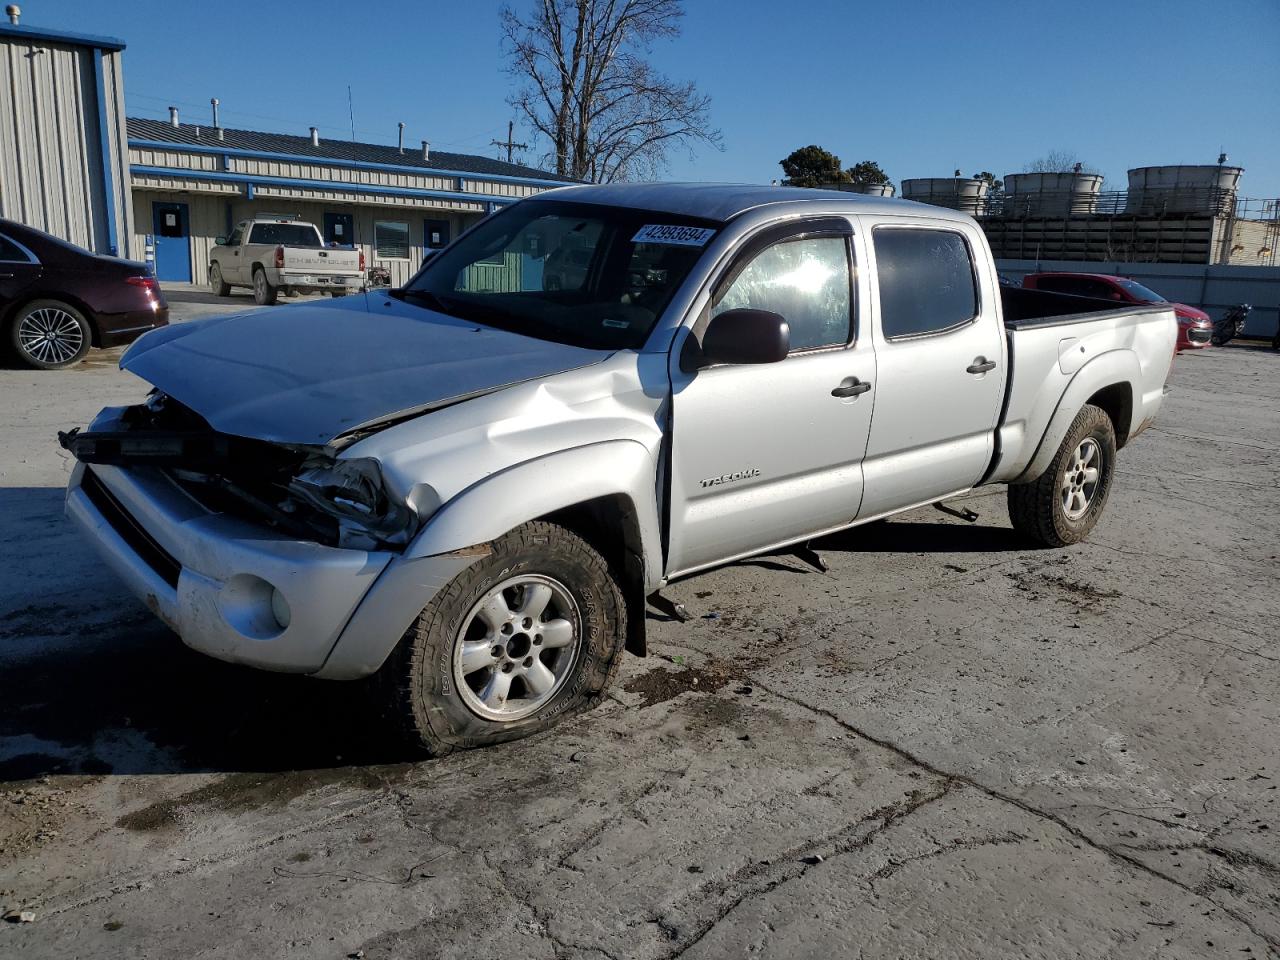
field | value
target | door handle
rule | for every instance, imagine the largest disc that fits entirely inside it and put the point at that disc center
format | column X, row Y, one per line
column 980, row 365
column 851, row 387
column 6, row 276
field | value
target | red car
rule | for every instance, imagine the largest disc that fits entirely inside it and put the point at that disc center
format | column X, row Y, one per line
column 1194, row 326
column 57, row 300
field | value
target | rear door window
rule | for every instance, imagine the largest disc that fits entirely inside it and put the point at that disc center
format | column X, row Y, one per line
column 926, row 279
column 11, row 252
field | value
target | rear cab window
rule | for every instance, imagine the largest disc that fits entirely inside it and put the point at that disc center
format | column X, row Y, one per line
column 927, row 281
column 285, row 234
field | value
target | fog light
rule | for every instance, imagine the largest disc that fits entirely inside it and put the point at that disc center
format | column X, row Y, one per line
column 280, row 608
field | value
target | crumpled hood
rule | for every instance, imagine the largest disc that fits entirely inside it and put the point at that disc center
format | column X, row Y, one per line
column 310, row 372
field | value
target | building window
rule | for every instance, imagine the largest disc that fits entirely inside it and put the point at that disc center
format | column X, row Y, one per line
column 391, row 239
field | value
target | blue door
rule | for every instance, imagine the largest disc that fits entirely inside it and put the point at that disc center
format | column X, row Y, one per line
column 339, row 228
column 172, row 229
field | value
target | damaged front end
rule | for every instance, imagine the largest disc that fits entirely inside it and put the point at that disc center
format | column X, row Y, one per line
column 302, row 491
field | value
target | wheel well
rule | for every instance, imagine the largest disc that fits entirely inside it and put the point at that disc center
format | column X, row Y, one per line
column 611, row 526
column 1117, row 402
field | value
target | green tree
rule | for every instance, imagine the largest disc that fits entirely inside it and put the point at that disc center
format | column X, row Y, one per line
column 812, row 166
column 866, row 174
column 990, row 177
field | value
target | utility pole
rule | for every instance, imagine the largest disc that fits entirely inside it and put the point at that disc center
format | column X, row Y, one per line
column 509, row 143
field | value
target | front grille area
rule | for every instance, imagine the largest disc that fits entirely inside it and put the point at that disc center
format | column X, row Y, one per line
column 1199, row 336
column 130, row 531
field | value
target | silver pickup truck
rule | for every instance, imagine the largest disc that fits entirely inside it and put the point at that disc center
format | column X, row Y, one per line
column 271, row 255
column 467, row 488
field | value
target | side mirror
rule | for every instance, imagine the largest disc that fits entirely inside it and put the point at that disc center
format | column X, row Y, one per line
column 220, row 241
column 745, row 336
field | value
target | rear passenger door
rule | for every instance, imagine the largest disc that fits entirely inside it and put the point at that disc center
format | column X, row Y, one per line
column 940, row 360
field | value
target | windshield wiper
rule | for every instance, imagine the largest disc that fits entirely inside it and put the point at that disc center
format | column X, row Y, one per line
column 425, row 297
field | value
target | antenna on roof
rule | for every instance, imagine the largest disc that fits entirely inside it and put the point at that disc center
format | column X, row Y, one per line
column 351, row 113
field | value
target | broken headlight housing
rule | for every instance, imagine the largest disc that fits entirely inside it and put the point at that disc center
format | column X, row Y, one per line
column 352, row 493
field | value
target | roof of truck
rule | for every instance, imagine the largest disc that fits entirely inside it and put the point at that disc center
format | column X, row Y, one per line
column 724, row 201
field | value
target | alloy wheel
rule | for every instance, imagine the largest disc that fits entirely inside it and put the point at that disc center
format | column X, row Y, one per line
column 516, row 647
column 1081, row 480
column 50, row 335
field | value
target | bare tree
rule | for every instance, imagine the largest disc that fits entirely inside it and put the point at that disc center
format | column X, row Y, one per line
column 585, row 85
column 1059, row 161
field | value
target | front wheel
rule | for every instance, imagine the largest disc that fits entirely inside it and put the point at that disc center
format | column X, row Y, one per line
column 524, row 637
column 264, row 294
column 49, row 334
column 218, row 286
column 1064, row 503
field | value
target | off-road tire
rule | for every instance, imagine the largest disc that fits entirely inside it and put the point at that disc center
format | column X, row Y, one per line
column 264, row 294
column 1036, row 508
column 218, row 286
column 416, row 686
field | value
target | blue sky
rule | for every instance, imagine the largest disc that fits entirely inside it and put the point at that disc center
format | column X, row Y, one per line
column 921, row 87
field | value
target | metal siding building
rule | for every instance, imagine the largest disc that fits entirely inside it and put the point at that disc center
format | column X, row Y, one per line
column 62, row 126
column 196, row 182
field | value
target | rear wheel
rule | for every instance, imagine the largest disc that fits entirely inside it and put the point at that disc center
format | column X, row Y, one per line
column 263, row 292
column 49, row 334
column 217, row 286
column 524, row 637
column 1064, row 503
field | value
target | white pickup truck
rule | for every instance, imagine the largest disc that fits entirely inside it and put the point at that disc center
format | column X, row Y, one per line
column 467, row 488
column 276, row 254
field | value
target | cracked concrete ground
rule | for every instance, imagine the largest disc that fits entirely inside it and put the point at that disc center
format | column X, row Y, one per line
column 948, row 746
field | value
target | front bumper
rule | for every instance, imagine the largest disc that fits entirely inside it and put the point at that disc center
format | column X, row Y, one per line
column 211, row 577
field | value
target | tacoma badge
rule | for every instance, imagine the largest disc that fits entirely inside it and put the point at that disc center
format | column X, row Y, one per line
column 730, row 477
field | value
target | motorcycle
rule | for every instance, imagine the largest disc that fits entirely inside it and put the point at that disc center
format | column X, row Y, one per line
column 1231, row 325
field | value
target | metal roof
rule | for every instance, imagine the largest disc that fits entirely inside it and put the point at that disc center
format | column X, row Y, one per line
column 724, row 201
column 331, row 150
column 60, row 36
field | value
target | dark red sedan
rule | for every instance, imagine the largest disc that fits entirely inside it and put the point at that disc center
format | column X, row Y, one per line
column 57, row 300
column 1194, row 326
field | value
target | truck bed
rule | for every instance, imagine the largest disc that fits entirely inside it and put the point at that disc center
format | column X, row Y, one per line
column 1051, row 338
column 1025, row 308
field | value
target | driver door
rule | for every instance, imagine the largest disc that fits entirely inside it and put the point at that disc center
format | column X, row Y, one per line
column 767, row 454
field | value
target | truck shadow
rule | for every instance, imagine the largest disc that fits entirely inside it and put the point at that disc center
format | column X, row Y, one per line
column 91, row 683
column 917, row 536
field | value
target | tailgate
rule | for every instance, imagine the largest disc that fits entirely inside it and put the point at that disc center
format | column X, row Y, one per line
column 327, row 261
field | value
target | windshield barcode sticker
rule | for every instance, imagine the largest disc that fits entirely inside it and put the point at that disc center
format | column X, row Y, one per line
column 673, row 235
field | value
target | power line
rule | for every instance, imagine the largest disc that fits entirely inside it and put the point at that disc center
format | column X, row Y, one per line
column 509, row 143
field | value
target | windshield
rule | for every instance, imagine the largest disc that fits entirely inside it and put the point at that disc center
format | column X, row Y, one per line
column 1139, row 292
column 286, row 234
column 585, row 274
